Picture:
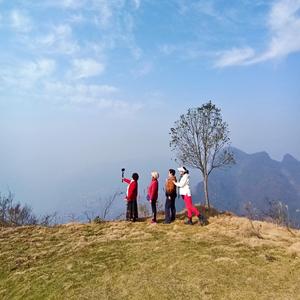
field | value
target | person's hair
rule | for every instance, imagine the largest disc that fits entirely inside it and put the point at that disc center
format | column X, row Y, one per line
column 155, row 174
column 186, row 171
column 135, row 176
column 172, row 172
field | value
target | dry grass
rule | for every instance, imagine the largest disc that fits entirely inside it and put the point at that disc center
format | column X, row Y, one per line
column 119, row 260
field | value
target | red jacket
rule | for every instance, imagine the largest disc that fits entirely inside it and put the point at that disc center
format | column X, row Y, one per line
column 132, row 189
column 153, row 190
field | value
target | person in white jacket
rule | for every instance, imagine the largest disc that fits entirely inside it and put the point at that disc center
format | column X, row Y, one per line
column 185, row 192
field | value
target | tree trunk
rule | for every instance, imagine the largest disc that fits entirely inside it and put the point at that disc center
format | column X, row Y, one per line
column 205, row 183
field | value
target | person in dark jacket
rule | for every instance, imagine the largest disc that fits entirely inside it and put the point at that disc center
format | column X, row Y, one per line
column 171, row 194
column 153, row 195
column 131, row 197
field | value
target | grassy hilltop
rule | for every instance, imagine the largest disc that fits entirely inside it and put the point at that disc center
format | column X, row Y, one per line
column 228, row 259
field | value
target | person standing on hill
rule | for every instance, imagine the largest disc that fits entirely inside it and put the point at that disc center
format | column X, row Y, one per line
column 171, row 194
column 131, row 197
column 153, row 194
column 185, row 192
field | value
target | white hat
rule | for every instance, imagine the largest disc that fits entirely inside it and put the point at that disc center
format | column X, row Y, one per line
column 182, row 169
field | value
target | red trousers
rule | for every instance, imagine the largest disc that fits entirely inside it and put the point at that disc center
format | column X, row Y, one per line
column 191, row 209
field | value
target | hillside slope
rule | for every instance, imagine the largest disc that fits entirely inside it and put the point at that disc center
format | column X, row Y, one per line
column 255, row 177
column 228, row 259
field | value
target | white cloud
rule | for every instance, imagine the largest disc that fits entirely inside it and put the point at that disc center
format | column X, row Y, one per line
column 72, row 3
column 283, row 23
column 182, row 7
column 26, row 74
column 81, row 92
column 234, row 57
column 112, row 19
column 84, row 68
column 20, row 21
column 117, row 25
column 143, row 69
column 89, row 95
column 77, row 19
column 167, row 49
column 65, row 39
column 38, row 69
column 207, row 8
column 105, row 13
column 65, row 4
column 185, row 51
column 137, row 3
column 58, row 40
column 37, row 80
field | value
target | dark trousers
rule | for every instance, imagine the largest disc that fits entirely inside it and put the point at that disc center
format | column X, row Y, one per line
column 132, row 210
column 170, row 209
column 154, row 210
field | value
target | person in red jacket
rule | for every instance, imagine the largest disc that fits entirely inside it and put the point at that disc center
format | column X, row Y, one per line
column 153, row 194
column 131, row 197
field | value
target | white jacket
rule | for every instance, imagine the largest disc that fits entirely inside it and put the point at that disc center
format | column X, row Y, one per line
column 184, row 185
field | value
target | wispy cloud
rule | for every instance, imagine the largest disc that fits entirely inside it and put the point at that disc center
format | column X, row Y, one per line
column 81, row 93
column 185, row 51
column 66, row 4
column 39, row 80
column 234, row 57
column 26, row 74
column 168, row 49
column 58, row 40
column 208, row 8
column 76, row 18
column 68, row 57
column 143, row 69
column 283, row 23
column 85, row 68
column 102, row 97
column 105, row 13
column 20, row 21
column 136, row 3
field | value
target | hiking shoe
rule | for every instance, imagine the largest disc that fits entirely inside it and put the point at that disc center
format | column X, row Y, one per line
column 202, row 220
column 153, row 221
column 189, row 222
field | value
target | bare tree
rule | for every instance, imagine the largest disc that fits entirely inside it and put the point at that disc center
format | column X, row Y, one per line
column 144, row 210
column 108, row 204
column 201, row 140
column 48, row 220
column 252, row 214
column 15, row 214
column 104, row 206
column 278, row 212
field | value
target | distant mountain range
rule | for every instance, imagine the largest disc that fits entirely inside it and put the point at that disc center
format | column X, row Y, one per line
column 256, row 178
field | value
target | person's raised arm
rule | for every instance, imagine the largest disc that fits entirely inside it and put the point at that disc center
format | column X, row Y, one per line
column 126, row 180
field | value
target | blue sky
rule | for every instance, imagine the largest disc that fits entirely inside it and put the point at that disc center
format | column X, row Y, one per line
column 87, row 87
